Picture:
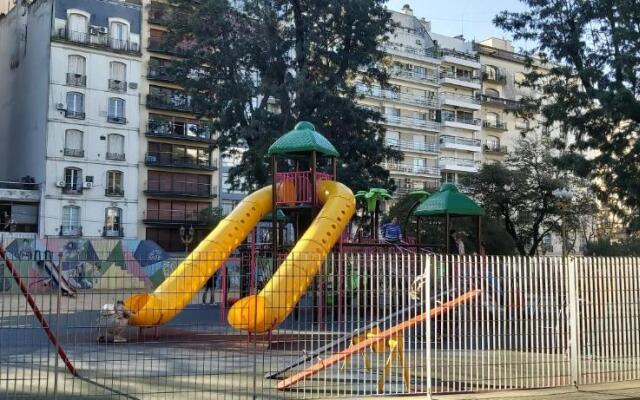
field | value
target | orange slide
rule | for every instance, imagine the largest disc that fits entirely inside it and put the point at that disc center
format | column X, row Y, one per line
column 382, row 336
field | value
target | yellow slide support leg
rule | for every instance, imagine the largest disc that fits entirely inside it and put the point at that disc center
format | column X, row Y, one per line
column 266, row 310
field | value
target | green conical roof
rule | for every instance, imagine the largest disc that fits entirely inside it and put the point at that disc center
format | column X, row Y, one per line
column 448, row 200
column 303, row 138
column 279, row 217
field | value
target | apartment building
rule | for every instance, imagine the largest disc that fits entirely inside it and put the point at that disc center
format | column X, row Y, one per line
column 447, row 108
column 70, row 115
column 179, row 176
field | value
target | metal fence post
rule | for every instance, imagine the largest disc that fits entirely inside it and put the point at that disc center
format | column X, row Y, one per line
column 574, row 323
column 427, row 268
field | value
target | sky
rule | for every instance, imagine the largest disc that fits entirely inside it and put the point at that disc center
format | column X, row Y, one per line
column 472, row 18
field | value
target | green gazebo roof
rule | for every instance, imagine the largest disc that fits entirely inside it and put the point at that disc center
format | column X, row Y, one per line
column 448, row 200
column 279, row 217
column 303, row 138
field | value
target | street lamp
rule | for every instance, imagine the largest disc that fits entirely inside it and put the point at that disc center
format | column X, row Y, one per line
column 564, row 196
column 186, row 237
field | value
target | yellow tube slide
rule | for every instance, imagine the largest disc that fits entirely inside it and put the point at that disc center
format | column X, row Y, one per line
column 270, row 307
column 189, row 277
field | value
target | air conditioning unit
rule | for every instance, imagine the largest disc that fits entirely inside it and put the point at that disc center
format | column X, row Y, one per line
column 103, row 29
column 94, row 30
column 61, row 184
column 133, row 85
column 88, row 185
column 60, row 106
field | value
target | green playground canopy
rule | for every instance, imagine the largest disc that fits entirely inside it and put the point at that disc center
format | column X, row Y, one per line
column 303, row 138
column 448, row 200
column 279, row 217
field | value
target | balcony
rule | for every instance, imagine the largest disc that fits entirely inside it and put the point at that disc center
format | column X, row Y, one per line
column 112, row 232
column 460, row 58
column 430, row 186
column 197, row 132
column 72, row 188
column 450, row 119
column 458, row 164
column 74, row 114
column 174, row 217
column 500, row 102
column 159, row 14
column 407, row 145
column 411, row 52
column 179, row 189
column 76, row 80
column 180, row 103
column 116, row 119
column 100, row 41
column 114, row 192
column 158, row 45
column 73, row 152
column 458, row 143
column 412, row 169
column 495, row 149
column 391, row 95
column 160, row 73
column 117, row 86
column 413, row 76
column 70, row 230
column 449, row 78
column 459, row 100
column 494, row 76
column 409, row 122
column 115, row 156
column 174, row 161
column 495, row 125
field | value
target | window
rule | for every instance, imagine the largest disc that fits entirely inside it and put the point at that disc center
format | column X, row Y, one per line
column 73, row 146
column 76, row 71
column 492, row 119
column 117, row 76
column 491, row 72
column 72, row 180
column 113, row 222
column 115, row 147
column 492, row 92
column 493, row 143
column 75, row 105
column 393, row 138
column 119, row 34
column 116, row 111
column 71, row 221
column 114, row 184
column 77, row 27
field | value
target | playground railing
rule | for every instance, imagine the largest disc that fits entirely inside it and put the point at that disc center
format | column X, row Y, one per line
column 367, row 323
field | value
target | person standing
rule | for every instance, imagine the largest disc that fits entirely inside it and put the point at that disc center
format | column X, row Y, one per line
column 460, row 243
column 209, row 287
column 453, row 242
column 391, row 232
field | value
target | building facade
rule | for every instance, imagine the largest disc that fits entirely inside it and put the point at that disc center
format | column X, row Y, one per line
column 179, row 179
column 72, row 122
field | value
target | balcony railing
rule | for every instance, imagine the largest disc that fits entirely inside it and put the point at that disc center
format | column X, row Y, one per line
column 429, row 186
column 460, row 162
column 175, row 161
column 117, row 85
column 497, row 125
column 72, row 188
column 460, row 97
column 170, row 216
column 70, row 230
column 460, row 141
column 412, row 122
column 116, row 119
column 433, row 78
column 465, row 78
column 160, row 73
column 112, row 231
column 490, row 75
column 114, row 192
column 176, row 102
column 407, row 145
column 200, row 132
column 98, row 40
column 412, row 169
column 158, row 45
column 116, row 156
column 459, row 54
column 179, row 189
column 452, row 117
column 76, row 80
column 159, row 14
column 379, row 93
column 73, row 152
column 74, row 114
column 410, row 51
column 499, row 101
column 495, row 148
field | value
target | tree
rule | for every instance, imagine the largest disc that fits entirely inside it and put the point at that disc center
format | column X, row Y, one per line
column 519, row 194
column 211, row 216
column 403, row 210
column 259, row 68
column 591, row 89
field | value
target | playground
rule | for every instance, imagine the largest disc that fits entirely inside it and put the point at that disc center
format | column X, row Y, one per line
column 301, row 292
